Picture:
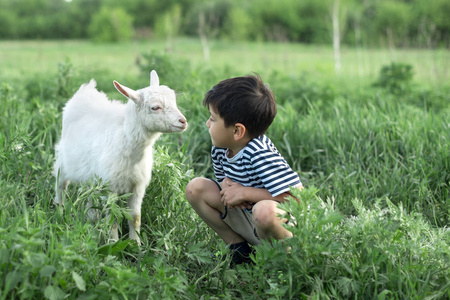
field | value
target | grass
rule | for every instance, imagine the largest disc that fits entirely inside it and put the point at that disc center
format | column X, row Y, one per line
column 20, row 58
column 372, row 222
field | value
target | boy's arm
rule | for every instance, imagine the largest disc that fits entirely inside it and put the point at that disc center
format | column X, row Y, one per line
column 236, row 195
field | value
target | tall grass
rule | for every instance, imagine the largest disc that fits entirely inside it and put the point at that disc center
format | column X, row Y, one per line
column 371, row 222
column 372, row 151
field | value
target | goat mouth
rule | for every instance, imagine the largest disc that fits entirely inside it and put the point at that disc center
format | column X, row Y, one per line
column 180, row 128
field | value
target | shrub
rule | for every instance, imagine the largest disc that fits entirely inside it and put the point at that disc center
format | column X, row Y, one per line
column 238, row 24
column 168, row 24
column 290, row 20
column 111, row 25
column 396, row 77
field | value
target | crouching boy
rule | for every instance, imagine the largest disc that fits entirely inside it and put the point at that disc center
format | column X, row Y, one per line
column 251, row 175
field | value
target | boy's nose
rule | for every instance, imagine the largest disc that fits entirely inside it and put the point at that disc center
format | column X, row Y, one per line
column 207, row 123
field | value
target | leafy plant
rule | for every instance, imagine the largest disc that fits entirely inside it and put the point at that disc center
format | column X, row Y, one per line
column 111, row 25
column 369, row 254
column 65, row 73
column 396, row 77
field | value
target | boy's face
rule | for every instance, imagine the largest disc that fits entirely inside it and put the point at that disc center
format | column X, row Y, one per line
column 221, row 136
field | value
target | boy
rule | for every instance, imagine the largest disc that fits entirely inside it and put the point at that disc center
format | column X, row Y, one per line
column 252, row 176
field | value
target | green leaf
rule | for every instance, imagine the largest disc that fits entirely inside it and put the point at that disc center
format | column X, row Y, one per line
column 111, row 271
column 53, row 293
column 12, row 279
column 47, row 271
column 114, row 248
column 383, row 294
column 4, row 256
column 37, row 260
column 79, row 281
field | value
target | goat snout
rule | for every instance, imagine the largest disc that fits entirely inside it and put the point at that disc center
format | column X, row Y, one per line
column 181, row 124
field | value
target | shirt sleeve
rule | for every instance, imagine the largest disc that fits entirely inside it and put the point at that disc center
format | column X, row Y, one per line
column 216, row 156
column 274, row 172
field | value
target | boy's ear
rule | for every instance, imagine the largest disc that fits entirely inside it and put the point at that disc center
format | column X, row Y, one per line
column 239, row 131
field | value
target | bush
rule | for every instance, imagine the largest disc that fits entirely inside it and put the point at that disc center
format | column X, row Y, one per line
column 290, row 20
column 238, row 24
column 168, row 24
column 392, row 19
column 396, row 77
column 111, row 25
column 8, row 24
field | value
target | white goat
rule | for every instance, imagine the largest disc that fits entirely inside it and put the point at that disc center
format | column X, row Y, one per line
column 114, row 140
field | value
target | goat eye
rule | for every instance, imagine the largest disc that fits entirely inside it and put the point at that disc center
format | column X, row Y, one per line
column 156, row 108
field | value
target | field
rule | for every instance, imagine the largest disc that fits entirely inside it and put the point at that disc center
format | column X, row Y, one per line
column 371, row 147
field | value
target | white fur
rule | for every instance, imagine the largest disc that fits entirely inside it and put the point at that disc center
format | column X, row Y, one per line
column 114, row 140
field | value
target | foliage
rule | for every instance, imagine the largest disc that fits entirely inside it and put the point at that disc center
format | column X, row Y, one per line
column 392, row 20
column 111, row 25
column 396, row 77
column 169, row 24
column 430, row 22
column 373, row 22
column 290, row 20
column 214, row 15
column 46, row 19
column 381, row 252
column 174, row 73
column 238, row 24
column 65, row 72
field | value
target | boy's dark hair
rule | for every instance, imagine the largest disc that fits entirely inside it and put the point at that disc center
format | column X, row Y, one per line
column 246, row 100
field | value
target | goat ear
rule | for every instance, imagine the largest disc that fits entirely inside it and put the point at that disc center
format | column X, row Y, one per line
column 127, row 92
column 154, row 79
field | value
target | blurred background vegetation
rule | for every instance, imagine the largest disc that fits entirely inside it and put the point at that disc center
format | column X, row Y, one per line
column 373, row 23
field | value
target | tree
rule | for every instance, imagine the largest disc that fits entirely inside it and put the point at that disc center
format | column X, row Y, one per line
column 211, row 19
column 111, row 25
column 338, row 12
column 168, row 25
column 336, row 37
column 239, row 24
column 431, row 23
column 392, row 19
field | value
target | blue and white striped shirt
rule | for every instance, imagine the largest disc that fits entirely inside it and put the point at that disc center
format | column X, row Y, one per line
column 258, row 164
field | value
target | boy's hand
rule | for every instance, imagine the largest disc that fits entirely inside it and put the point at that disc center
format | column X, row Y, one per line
column 232, row 194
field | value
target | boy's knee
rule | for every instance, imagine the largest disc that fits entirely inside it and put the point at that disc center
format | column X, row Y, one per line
column 191, row 189
column 264, row 214
column 194, row 189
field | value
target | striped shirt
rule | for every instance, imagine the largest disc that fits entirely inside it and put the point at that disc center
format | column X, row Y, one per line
column 258, row 164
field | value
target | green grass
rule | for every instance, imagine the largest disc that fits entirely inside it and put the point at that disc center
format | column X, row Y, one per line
column 372, row 221
column 20, row 58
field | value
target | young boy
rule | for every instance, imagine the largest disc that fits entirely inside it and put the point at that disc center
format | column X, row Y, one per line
column 252, row 176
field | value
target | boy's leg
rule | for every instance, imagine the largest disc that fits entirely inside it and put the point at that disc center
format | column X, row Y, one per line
column 268, row 222
column 204, row 196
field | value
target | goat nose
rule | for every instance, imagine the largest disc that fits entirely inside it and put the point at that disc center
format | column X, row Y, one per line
column 182, row 120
